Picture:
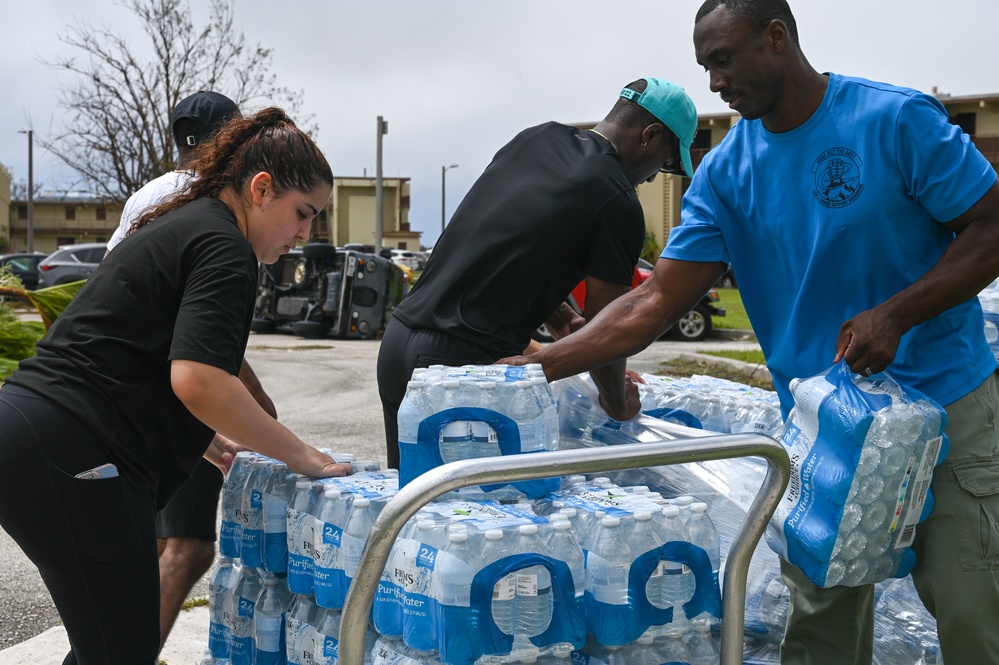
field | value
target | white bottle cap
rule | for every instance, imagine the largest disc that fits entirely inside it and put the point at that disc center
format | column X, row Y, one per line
column 361, row 502
column 643, row 516
column 698, row 507
column 494, row 534
column 528, row 529
column 331, row 493
column 457, row 536
column 611, row 521
column 671, row 511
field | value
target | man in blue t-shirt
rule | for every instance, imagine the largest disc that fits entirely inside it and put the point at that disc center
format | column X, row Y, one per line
column 860, row 225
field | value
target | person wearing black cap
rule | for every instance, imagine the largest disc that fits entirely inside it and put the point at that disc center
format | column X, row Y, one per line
column 557, row 205
column 185, row 527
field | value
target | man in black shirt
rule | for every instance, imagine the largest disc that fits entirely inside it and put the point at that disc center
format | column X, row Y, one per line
column 557, row 205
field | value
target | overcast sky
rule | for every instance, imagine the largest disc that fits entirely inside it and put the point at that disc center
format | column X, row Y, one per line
column 456, row 79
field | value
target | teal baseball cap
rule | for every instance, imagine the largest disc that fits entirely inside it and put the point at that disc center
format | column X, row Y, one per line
column 670, row 104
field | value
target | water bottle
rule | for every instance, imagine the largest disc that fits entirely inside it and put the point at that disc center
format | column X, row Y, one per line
column 565, row 546
column 456, row 437
column 269, row 616
column 676, row 580
column 274, row 515
column 683, row 503
column 413, row 410
column 453, row 571
column 646, row 537
column 327, row 581
column 533, row 605
column 701, row 531
column 252, row 550
column 242, row 604
column 326, row 648
column 221, row 581
column 231, row 531
column 642, row 652
column 505, row 590
column 526, row 412
column 359, row 524
column 485, row 441
column 301, row 535
column 671, row 648
column 701, row 646
column 300, row 629
column 608, row 563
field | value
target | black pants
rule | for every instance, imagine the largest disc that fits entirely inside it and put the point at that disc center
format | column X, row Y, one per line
column 403, row 349
column 93, row 540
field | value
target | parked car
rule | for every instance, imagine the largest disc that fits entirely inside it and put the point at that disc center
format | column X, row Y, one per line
column 71, row 263
column 321, row 291
column 24, row 266
column 406, row 258
column 693, row 327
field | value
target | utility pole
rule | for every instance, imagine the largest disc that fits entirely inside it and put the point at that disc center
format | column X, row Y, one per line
column 31, row 188
column 443, row 187
column 379, row 203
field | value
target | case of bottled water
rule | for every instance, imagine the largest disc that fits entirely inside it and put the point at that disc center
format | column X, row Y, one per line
column 862, row 455
column 644, row 576
column 231, row 531
column 221, row 581
column 457, row 413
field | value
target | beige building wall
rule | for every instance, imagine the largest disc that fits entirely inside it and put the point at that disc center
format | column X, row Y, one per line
column 5, row 181
column 62, row 220
column 352, row 209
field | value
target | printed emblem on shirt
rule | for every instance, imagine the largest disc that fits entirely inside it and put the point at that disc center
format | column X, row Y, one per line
column 837, row 177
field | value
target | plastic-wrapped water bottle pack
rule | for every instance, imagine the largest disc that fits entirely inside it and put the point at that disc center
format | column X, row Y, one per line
column 862, row 454
column 457, row 413
column 989, row 299
column 707, row 402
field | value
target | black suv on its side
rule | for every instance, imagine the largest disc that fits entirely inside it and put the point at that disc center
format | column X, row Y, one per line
column 321, row 291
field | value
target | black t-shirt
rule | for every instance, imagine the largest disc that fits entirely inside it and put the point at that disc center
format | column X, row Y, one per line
column 182, row 287
column 553, row 207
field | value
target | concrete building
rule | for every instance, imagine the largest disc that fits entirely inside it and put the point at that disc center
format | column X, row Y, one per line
column 66, row 218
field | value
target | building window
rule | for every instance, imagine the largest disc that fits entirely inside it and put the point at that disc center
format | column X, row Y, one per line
column 22, row 212
column 65, row 240
column 966, row 121
column 102, row 214
column 402, row 245
column 70, row 213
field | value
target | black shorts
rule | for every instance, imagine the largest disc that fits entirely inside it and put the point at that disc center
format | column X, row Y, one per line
column 192, row 511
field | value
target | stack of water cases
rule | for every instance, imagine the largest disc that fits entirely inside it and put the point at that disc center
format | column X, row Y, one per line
column 862, row 455
column 457, row 413
column 483, row 582
column 700, row 402
column 271, row 601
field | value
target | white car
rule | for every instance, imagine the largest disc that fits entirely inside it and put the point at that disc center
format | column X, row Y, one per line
column 406, row 258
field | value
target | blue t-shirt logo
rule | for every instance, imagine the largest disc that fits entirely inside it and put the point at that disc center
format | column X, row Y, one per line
column 837, row 177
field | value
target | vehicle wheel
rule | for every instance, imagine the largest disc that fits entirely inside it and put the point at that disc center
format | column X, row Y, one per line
column 262, row 326
column 694, row 326
column 541, row 335
column 319, row 250
column 310, row 329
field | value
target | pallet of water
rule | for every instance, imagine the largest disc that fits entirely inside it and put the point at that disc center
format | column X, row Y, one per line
column 457, row 413
column 862, row 455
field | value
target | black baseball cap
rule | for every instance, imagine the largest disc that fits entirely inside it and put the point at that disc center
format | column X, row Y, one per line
column 208, row 110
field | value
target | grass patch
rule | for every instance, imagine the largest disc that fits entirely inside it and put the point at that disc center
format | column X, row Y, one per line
column 682, row 368
column 190, row 603
column 755, row 357
column 735, row 313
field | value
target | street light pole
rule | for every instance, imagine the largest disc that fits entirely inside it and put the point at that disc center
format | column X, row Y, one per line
column 31, row 188
column 379, row 204
column 443, row 186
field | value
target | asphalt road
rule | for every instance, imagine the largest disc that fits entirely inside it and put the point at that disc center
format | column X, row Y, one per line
column 326, row 392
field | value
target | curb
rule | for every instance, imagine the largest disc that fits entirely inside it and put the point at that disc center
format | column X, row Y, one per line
column 751, row 370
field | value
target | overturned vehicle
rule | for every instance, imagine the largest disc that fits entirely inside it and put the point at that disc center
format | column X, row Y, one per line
column 321, row 291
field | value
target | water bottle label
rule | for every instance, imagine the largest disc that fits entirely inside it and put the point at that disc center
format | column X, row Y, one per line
column 426, row 557
column 268, row 633
column 527, row 585
column 245, row 607
column 256, row 499
column 332, row 534
column 229, row 539
column 920, row 488
column 331, row 647
column 219, row 639
column 242, row 650
column 506, row 588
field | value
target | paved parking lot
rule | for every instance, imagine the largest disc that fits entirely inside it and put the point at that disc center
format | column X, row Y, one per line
column 326, row 392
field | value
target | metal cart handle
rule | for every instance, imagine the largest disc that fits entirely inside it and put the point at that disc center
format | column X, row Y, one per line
column 488, row 470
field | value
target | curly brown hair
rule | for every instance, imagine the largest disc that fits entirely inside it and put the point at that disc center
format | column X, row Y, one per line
column 267, row 141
